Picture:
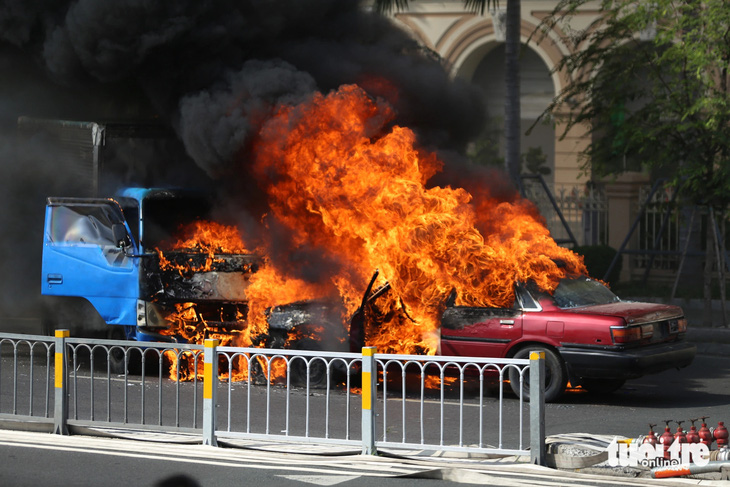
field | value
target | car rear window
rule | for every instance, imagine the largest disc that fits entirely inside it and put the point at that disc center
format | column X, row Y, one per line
column 582, row 291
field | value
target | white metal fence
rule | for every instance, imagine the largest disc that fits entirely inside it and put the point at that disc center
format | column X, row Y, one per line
column 658, row 232
column 365, row 400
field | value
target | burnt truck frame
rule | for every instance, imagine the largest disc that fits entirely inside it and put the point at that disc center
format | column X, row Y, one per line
column 102, row 251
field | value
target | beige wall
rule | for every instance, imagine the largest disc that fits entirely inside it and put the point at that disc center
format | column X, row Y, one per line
column 465, row 39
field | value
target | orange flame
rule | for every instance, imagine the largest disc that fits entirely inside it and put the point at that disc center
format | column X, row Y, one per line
column 206, row 237
column 344, row 182
column 349, row 185
column 434, row 381
column 210, row 237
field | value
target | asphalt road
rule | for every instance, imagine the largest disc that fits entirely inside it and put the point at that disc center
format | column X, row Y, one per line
column 30, row 460
column 703, row 389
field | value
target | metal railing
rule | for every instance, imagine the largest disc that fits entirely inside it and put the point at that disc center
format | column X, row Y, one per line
column 370, row 401
column 27, row 357
column 467, row 377
column 147, row 398
column 574, row 215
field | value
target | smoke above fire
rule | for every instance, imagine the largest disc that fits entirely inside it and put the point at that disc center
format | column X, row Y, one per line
column 211, row 70
column 240, row 58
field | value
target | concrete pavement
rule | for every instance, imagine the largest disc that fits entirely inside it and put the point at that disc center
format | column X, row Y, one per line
column 306, row 465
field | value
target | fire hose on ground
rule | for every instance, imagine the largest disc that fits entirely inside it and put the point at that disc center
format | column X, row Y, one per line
column 562, row 450
column 712, row 466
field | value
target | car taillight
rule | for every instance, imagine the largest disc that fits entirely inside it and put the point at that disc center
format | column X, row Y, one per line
column 628, row 334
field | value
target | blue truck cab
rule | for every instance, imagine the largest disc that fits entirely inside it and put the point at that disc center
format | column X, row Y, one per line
column 105, row 251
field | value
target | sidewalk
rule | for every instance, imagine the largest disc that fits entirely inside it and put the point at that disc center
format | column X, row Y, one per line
column 326, row 466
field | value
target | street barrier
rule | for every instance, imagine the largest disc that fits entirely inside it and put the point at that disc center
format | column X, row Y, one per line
column 35, row 352
column 406, row 402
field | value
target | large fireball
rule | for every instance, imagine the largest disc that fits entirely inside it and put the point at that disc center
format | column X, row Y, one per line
column 345, row 182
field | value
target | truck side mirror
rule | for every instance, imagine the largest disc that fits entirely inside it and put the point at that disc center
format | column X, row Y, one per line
column 119, row 234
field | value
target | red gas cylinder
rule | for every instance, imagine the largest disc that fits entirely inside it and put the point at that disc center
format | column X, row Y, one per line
column 680, row 436
column 651, row 437
column 666, row 440
column 705, row 433
column 692, row 435
column 720, row 434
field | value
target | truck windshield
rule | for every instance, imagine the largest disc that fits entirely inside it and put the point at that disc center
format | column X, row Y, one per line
column 582, row 291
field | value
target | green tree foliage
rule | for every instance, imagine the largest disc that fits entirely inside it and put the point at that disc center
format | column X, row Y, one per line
column 650, row 82
column 534, row 161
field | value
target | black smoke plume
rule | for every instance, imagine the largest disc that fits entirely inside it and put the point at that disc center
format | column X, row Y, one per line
column 212, row 71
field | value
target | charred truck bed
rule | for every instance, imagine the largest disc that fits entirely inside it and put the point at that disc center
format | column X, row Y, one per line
column 196, row 276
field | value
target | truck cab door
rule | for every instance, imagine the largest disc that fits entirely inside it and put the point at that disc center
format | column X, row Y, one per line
column 82, row 256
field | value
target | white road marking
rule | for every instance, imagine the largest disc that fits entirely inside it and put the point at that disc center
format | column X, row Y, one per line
column 320, row 480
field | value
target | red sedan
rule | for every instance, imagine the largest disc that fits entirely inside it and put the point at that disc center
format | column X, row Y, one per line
column 591, row 338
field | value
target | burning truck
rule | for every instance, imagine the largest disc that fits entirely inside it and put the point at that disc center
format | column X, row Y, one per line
column 116, row 253
column 151, row 264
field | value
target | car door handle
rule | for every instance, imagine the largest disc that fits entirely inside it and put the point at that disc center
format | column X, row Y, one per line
column 506, row 322
column 54, row 279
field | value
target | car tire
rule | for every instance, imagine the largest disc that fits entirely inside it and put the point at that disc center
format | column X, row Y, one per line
column 116, row 354
column 556, row 375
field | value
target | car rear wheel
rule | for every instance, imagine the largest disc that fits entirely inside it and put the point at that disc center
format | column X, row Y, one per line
column 556, row 376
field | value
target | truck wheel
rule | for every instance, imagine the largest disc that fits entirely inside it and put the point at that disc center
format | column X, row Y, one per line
column 556, row 376
column 317, row 367
column 116, row 354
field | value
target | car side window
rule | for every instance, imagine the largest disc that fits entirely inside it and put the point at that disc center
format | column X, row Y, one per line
column 524, row 300
column 457, row 317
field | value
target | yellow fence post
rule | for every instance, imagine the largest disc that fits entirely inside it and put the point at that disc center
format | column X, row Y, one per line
column 369, row 391
column 537, row 407
column 60, row 415
column 210, row 381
